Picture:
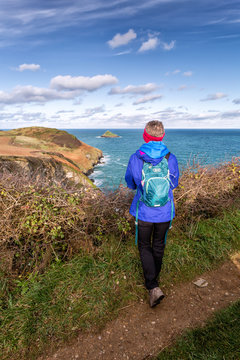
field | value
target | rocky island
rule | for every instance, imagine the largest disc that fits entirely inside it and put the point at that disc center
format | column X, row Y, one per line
column 109, row 134
column 52, row 154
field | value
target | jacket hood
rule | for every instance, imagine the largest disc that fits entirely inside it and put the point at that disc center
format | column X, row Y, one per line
column 152, row 152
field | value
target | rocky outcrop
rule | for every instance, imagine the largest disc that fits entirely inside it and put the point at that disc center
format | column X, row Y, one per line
column 44, row 154
column 42, row 170
column 109, row 134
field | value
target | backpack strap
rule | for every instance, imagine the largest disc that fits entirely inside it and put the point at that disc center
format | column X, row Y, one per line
column 136, row 223
column 170, row 225
column 167, row 156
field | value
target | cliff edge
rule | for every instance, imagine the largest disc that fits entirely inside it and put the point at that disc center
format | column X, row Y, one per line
column 48, row 153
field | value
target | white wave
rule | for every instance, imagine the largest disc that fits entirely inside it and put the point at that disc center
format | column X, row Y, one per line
column 102, row 137
column 119, row 163
column 105, row 160
column 98, row 182
column 96, row 173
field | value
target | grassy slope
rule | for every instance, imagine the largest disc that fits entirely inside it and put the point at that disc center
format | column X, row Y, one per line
column 43, row 133
column 88, row 290
column 54, row 143
column 218, row 340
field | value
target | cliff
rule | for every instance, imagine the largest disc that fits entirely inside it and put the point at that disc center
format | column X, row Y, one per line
column 53, row 154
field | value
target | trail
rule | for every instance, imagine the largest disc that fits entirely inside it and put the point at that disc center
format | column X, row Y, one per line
column 141, row 332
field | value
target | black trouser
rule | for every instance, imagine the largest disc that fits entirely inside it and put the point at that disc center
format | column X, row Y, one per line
column 151, row 244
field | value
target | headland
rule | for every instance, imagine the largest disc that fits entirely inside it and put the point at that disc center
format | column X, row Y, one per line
column 46, row 152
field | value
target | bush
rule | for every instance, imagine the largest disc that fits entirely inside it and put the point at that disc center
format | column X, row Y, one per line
column 42, row 223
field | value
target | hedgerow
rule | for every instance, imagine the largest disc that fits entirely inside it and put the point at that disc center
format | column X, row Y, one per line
column 42, row 222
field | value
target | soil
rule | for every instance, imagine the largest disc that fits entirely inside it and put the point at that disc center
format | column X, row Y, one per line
column 141, row 332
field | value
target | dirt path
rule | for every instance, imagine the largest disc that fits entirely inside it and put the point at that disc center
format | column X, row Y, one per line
column 140, row 331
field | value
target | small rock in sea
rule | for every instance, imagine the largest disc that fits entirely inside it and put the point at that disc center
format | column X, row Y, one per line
column 109, row 134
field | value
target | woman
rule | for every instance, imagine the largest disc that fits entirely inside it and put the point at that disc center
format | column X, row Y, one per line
column 152, row 222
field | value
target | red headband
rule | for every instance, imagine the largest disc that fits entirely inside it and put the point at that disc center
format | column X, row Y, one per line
column 147, row 137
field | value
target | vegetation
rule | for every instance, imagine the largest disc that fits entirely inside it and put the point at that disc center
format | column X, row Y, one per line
column 37, row 136
column 219, row 339
column 68, row 259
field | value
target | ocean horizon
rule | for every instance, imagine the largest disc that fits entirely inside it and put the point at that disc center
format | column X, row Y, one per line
column 207, row 146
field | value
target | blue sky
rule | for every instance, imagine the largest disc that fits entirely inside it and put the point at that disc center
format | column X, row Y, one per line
column 119, row 63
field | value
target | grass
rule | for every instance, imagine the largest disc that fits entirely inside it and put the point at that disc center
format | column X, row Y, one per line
column 88, row 290
column 70, row 264
column 58, row 137
column 81, row 294
column 218, row 340
column 209, row 243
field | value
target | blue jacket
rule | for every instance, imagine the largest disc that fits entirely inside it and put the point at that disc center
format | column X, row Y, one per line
column 152, row 152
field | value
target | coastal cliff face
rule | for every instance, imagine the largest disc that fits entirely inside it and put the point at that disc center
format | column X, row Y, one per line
column 47, row 154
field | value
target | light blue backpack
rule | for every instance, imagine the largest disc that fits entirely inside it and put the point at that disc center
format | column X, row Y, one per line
column 156, row 184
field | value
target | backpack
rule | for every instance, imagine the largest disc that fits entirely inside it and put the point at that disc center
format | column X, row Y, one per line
column 156, row 184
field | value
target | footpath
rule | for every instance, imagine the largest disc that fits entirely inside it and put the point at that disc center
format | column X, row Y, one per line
column 141, row 332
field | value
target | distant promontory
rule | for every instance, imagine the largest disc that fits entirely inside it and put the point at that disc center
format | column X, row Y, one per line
column 46, row 153
column 109, row 134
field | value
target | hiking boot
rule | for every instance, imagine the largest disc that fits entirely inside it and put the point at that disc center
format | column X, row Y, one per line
column 156, row 295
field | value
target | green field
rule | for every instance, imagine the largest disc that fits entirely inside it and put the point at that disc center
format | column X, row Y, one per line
column 218, row 340
column 88, row 290
column 71, row 264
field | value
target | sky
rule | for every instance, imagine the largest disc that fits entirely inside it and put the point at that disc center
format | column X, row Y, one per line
column 119, row 63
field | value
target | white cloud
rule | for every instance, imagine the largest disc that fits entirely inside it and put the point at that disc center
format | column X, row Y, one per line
column 123, row 53
column 39, row 17
column 169, row 46
column 146, row 99
column 22, row 117
column 122, row 39
column 64, row 111
column 93, row 111
column 230, row 114
column 28, row 94
column 131, row 89
column 171, row 117
column 175, row 72
column 61, row 87
column 82, row 82
column 187, row 73
column 182, row 87
column 236, row 101
column 31, row 67
column 216, row 96
column 150, row 44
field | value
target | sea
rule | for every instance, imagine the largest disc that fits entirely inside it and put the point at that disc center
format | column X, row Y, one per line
column 206, row 146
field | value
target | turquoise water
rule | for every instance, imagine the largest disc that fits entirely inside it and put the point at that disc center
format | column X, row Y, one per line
column 208, row 146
